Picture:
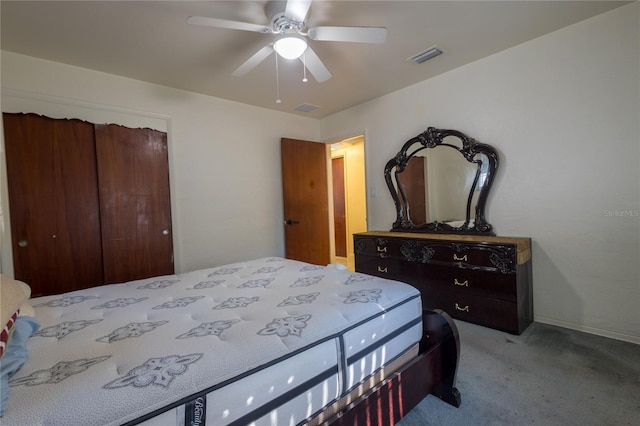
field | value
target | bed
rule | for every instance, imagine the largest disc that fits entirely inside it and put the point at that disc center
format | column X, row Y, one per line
column 268, row 341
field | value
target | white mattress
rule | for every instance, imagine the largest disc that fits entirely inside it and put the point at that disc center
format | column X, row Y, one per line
column 270, row 341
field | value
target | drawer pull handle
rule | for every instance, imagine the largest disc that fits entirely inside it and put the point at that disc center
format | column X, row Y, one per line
column 380, row 269
column 464, row 283
column 463, row 258
column 381, row 249
column 465, row 309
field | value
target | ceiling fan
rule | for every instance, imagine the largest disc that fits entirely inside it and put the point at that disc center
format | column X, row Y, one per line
column 287, row 20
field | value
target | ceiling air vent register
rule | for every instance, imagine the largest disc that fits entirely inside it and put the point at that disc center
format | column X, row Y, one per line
column 425, row 55
column 306, row 107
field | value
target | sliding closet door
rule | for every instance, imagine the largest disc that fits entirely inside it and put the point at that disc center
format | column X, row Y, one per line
column 54, row 212
column 133, row 181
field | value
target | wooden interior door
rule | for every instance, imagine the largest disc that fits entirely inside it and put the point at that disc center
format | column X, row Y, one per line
column 54, row 210
column 339, row 207
column 306, row 202
column 414, row 184
column 133, row 180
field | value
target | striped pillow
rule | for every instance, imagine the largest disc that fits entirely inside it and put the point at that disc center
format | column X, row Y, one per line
column 6, row 332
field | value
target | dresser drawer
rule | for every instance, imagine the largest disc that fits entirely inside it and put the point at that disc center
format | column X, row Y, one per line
column 382, row 247
column 498, row 314
column 392, row 269
column 472, row 282
column 465, row 255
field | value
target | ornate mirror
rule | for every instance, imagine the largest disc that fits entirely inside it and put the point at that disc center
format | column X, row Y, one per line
column 440, row 181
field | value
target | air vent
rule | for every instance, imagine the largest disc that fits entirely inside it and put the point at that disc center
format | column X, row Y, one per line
column 306, row 108
column 425, row 55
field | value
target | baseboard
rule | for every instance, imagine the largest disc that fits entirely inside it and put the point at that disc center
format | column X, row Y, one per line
column 591, row 330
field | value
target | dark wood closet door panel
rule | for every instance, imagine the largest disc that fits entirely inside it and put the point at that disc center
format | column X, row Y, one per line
column 54, row 208
column 133, row 181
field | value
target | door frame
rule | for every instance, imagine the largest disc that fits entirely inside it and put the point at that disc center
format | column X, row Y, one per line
column 350, row 136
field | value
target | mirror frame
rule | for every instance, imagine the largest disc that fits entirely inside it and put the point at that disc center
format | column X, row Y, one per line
column 432, row 138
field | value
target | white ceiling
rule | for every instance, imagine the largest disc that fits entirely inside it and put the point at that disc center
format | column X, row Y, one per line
column 150, row 41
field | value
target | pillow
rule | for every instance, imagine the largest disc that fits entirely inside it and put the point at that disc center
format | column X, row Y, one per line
column 16, row 355
column 6, row 332
column 27, row 309
column 13, row 294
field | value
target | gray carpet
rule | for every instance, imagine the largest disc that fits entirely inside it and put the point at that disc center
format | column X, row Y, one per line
column 547, row 376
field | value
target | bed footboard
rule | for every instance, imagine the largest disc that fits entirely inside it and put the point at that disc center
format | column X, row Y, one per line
column 439, row 329
column 432, row 372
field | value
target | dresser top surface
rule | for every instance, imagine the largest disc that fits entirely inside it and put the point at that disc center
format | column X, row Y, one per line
column 523, row 244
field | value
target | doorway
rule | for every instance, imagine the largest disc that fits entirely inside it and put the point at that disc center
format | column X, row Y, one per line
column 348, row 209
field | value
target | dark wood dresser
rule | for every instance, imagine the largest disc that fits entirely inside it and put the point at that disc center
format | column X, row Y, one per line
column 481, row 279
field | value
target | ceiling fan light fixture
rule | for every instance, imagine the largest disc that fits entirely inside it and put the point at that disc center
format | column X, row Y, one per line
column 290, row 46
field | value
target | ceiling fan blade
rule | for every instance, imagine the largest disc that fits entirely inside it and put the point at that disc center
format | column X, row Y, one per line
column 253, row 61
column 351, row 34
column 224, row 23
column 315, row 65
column 297, row 9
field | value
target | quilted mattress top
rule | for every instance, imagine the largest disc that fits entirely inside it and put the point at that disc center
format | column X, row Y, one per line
column 113, row 353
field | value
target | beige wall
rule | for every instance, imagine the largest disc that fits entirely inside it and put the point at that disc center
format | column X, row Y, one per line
column 563, row 112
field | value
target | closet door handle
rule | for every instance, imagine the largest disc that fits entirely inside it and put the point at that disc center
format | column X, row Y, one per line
column 165, row 232
column 23, row 243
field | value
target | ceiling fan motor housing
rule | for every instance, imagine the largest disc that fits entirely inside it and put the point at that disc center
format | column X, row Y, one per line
column 280, row 23
column 283, row 25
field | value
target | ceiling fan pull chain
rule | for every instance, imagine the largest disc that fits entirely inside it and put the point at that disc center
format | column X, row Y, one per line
column 304, row 67
column 278, row 101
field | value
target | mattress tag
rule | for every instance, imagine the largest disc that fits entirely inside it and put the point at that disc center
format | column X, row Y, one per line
column 195, row 412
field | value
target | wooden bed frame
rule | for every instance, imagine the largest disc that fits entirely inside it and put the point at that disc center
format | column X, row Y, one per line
column 432, row 372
